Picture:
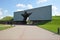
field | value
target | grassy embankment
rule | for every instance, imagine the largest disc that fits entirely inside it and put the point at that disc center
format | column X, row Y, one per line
column 3, row 27
column 53, row 25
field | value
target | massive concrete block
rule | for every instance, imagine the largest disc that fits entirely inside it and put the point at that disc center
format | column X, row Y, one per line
column 18, row 16
column 41, row 13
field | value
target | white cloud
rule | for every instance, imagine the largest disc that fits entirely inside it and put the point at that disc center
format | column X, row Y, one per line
column 29, row 6
column 20, row 5
column 1, row 11
column 23, row 7
column 54, row 11
column 19, row 10
column 6, row 11
column 41, row 1
column 54, row 8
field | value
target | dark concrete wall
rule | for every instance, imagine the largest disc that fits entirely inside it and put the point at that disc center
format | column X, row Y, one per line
column 41, row 13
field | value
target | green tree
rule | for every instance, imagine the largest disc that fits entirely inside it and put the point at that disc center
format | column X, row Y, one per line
column 7, row 18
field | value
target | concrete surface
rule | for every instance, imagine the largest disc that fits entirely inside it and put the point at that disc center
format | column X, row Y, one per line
column 27, row 32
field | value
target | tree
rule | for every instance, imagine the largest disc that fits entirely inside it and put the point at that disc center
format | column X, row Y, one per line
column 7, row 19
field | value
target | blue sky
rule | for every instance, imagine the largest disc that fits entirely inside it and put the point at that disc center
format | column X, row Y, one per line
column 8, row 7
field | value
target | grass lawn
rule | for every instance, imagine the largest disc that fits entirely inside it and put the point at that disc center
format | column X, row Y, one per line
column 3, row 27
column 53, row 25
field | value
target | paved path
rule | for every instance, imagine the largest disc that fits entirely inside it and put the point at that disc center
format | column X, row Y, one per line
column 27, row 32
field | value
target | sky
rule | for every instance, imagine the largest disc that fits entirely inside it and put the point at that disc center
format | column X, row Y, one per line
column 8, row 7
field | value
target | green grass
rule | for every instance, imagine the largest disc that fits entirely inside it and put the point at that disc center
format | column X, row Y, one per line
column 52, row 25
column 3, row 27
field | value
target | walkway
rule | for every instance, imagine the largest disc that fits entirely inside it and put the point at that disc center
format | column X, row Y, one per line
column 27, row 32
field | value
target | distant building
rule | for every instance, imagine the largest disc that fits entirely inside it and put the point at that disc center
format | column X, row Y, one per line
column 37, row 15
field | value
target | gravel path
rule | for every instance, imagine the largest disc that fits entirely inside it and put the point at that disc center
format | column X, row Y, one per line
column 27, row 32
